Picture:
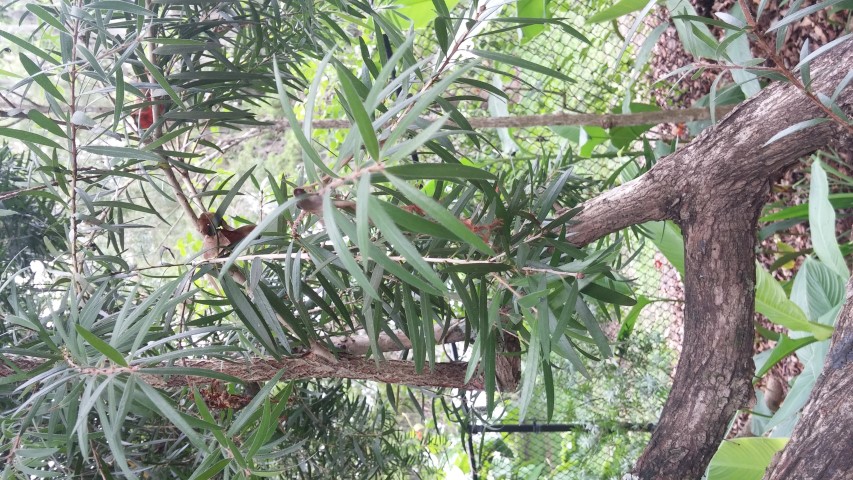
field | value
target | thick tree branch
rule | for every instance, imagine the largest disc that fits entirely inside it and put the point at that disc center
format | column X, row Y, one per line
column 563, row 119
column 820, row 445
column 445, row 374
column 714, row 188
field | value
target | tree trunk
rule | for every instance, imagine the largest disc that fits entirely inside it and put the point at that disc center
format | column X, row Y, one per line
column 714, row 188
column 821, row 444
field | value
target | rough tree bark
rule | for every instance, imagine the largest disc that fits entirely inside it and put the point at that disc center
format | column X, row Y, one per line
column 714, row 189
column 821, row 443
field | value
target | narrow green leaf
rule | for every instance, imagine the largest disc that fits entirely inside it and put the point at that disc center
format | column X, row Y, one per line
column 249, row 412
column 441, row 171
column 424, row 100
column 101, row 346
column 820, row 51
column 358, row 112
column 28, row 137
column 605, row 294
column 40, row 77
column 232, row 192
column 793, row 17
column 167, row 137
column 592, row 326
column 245, row 310
column 441, row 215
column 256, row 232
column 795, row 128
column 311, row 159
column 46, row 123
column 333, row 217
column 523, row 64
column 206, row 115
column 158, row 75
column 165, row 407
column 531, row 371
column 118, row 79
column 28, row 46
column 406, row 249
column 121, row 6
column 212, row 471
column 46, row 16
column 123, row 152
column 362, row 221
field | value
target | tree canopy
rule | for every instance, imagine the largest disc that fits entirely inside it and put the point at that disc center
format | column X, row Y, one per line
column 166, row 315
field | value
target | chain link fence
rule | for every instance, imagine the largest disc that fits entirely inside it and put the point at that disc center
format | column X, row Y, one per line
column 600, row 424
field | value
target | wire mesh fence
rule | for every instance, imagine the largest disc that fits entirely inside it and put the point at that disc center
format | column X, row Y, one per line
column 599, row 424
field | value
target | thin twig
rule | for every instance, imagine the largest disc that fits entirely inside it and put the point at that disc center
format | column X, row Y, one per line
column 76, row 267
column 780, row 67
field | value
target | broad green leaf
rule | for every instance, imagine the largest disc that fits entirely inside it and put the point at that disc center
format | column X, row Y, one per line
column 770, row 301
column 617, row 10
column 627, row 327
column 744, row 458
column 534, row 10
column 421, row 12
column 667, row 237
column 818, row 290
column 822, row 223
column 784, row 347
